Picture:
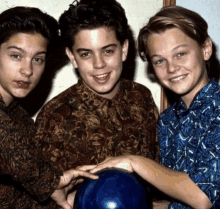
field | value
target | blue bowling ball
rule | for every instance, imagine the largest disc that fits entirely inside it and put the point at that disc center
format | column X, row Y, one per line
column 115, row 189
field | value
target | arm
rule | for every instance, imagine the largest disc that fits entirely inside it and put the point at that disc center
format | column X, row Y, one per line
column 201, row 155
column 176, row 184
column 21, row 157
column 173, row 183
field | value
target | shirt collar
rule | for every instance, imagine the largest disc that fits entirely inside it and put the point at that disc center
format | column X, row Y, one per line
column 200, row 98
column 91, row 98
column 8, row 108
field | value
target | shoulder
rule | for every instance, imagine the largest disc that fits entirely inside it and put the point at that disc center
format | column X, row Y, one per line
column 167, row 115
column 211, row 101
column 64, row 98
column 138, row 96
column 131, row 86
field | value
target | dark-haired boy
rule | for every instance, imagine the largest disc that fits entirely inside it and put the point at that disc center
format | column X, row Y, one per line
column 102, row 115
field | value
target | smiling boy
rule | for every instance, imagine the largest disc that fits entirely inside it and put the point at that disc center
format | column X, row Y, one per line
column 102, row 115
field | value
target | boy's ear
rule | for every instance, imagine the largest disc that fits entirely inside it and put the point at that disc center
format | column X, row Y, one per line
column 125, row 50
column 71, row 58
column 207, row 49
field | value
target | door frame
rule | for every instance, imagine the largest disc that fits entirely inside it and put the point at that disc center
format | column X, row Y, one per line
column 164, row 103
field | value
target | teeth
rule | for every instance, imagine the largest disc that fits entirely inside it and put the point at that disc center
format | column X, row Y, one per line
column 101, row 76
column 178, row 78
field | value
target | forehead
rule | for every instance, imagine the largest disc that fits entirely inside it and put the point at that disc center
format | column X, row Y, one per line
column 27, row 41
column 168, row 40
column 95, row 38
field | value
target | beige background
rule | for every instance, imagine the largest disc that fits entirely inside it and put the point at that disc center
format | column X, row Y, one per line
column 138, row 12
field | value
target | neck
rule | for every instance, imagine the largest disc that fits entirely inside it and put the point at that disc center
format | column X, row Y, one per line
column 108, row 95
column 6, row 98
column 188, row 98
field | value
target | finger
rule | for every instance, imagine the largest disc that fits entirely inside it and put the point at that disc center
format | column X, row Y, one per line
column 86, row 167
column 71, row 198
column 107, row 163
column 74, row 183
column 60, row 198
column 107, row 158
column 79, row 181
column 72, row 174
column 66, row 205
column 87, row 174
column 101, row 167
column 75, row 174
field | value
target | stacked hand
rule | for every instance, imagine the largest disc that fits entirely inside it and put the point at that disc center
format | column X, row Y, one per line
column 67, row 181
column 122, row 162
column 72, row 177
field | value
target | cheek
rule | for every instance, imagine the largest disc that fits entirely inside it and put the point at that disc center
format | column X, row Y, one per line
column 8, row 67
column 115, row 63
column 84, row 72
column 38, row 73
column 196, row 60
column 159, row 73
column 85, row 65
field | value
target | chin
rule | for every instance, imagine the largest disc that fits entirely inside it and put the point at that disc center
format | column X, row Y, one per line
column 107, row 91
column 21, row 95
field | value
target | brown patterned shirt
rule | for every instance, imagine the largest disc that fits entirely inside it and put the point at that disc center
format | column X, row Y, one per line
column 26, row 177
column 84, row 128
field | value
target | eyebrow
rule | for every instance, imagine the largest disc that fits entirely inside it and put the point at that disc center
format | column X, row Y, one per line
column 85, row 49
column 182, row 45
column 174, row 49
column 23, row 51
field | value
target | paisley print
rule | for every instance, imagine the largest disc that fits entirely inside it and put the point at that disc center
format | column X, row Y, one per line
column 84, row 128
column 27, row 176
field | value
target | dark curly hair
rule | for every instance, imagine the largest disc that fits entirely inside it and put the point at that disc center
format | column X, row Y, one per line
column 28, row 20
column 91, row 14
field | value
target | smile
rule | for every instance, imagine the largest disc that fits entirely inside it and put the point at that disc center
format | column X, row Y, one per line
column 179, row 78
column 103, row 76
column 102, row 79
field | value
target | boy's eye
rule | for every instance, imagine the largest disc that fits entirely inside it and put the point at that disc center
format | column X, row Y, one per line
column 109, row 51
column 159, row 62
column 15, row 56
column 85, row 54
column 39, row 60
column 181, row 54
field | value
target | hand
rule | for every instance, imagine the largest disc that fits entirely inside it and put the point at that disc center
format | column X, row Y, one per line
column 71, row 196
column 67, row 181
column 161, row 204
column 122, row 162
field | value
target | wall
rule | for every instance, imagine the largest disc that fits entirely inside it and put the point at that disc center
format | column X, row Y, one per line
column 138, row 12
column 209, row 10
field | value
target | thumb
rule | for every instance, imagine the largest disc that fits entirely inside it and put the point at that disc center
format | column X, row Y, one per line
column 65, row 205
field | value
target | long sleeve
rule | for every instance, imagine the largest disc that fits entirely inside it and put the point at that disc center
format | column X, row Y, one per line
column 84, row 128
column 22, row 161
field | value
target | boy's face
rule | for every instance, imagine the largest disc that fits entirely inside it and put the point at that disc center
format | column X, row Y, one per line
column 179, row 62
column 22, row 62
column 98, row 55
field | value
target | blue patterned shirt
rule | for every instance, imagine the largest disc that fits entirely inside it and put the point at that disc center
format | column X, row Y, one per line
column 190, row 141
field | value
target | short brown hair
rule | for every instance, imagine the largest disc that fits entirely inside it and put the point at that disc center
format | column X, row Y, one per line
column 189, row 22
